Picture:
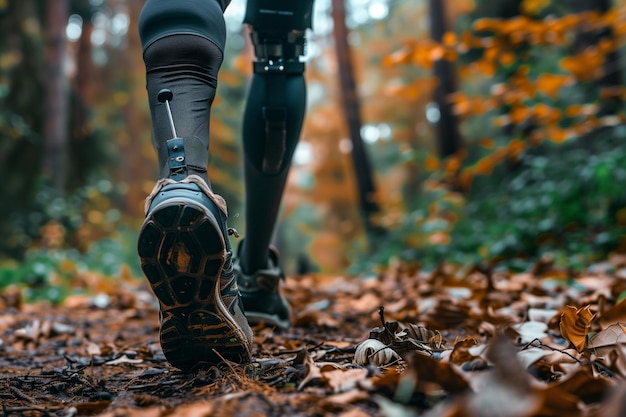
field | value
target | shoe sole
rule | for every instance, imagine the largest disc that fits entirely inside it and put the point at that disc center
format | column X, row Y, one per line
column 268, row 320
column 182, row 254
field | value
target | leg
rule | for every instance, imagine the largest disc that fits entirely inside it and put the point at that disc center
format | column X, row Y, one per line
column 183, row 44
column 272, row 121
column 183, row 244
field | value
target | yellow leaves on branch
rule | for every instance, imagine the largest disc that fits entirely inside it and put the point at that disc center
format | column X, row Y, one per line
column 549, row 31
column 541, row 114
column 500, row 36
column 485, row 165
column 514, row 94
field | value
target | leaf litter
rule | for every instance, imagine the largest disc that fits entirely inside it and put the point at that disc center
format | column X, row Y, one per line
column 453, row 342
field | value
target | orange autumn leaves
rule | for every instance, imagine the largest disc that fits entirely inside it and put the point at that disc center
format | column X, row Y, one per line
column 463, row 176
column 535, row 106
column 498, row 38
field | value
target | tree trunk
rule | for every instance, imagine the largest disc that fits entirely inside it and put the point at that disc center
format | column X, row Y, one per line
column 446, row 123
column 56, row 95
column 352, row 108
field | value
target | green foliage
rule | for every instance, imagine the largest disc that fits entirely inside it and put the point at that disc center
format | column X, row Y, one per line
column 25, row 227
column 566, row 200
column 52, row 275
column 558, row 198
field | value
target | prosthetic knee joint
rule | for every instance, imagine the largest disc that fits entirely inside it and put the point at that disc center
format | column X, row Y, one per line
column 278, row 28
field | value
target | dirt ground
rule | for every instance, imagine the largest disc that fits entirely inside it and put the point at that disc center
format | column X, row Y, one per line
column 456, row 342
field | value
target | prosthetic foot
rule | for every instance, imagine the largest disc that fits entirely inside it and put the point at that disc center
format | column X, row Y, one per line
column 260, row 293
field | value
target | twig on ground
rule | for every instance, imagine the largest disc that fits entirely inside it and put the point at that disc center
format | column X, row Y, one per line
column 19, row 394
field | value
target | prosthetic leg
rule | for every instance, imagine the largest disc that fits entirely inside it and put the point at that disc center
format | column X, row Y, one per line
column 272, row 122
column 183, row 243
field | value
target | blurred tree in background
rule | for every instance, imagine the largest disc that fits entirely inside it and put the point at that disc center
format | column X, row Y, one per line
column 533, row 87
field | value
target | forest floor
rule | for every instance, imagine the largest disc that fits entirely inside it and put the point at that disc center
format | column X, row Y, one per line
column 456, row 342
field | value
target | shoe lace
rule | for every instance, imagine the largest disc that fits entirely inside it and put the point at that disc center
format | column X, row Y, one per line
column 233, row 232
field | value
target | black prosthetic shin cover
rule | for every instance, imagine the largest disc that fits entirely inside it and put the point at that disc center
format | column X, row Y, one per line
column 264, row 189
column 183, row 50
column 273, row 117
column 279, row 15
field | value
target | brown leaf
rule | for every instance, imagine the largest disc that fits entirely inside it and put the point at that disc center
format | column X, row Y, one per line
column 506, row 391
column 606, row 340
column 388, row 380
column 92, row 408
column 343, row 380
column 558, row 403
column 354, row 412
column 312, row 372
column 460, row 354
column 419, row 333
column 615, row 314
column 156, row 411
column 366, row 303
column 575, row 325
column 348, row 397
column 584, row 385
column 446, row 313
column 11, row 298
column 615, row 406
column 438, row 372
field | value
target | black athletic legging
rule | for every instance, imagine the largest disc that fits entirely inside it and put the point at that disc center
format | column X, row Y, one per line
column 183, row 43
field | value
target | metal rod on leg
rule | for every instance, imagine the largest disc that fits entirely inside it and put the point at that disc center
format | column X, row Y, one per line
column 169, row 114
column 165, row 96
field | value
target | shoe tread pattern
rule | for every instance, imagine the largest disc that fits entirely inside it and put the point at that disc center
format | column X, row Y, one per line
column 183, row 255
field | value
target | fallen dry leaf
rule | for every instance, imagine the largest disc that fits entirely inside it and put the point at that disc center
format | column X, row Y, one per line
column 606, row 340
column 343, row 380
column 461, row 351
column 375, row 352
column 454, row 317
column 311, row 373
column 615, row 314
column 575, row 325
column 444, row 374
column 506, row 391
